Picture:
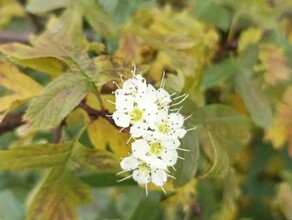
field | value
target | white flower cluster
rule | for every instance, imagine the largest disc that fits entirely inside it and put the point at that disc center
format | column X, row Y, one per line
column 154, row 125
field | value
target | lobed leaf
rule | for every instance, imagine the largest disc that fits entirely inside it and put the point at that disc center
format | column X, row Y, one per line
column 56, row 197
column 103, row 134
column 222, row 133
column 59, row 98
column 97, row 160
column 34, row 156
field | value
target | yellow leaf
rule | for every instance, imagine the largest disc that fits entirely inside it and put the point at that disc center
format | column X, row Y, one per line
column 274, row 63
column 250, row 36
column 14, row 80
column 22, row 86
column 93, row 102
column 103, row 134
column 276, row 134
column 284, row 200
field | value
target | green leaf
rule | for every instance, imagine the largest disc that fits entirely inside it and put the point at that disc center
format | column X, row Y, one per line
column 34, row 156
column 98, row 19
column 60, row 97
column 10, row 206
column 97, row 160
column 218, row 73
column 255, row 101
column 147, row 209
column 222, row 133
column 247, row 59
column 56, row 197
column 105, row 179
column 50, row 60
column 213, row 13
column 186, row 169
column 39, row 6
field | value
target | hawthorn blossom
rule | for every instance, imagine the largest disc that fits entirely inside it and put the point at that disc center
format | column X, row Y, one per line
column 154, row 126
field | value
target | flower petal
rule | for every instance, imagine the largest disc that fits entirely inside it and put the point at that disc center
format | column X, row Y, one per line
column 130, row 163
column 169, row 157
column 141, row 176
column 170, row 143
column 138, row 129
column 121, row 119
column 176, row 120
column 158, row 177
column 140, row 148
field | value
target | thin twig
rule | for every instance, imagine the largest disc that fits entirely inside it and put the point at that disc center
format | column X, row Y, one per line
column 11, row 121
column 95, row 114
column 58, row 132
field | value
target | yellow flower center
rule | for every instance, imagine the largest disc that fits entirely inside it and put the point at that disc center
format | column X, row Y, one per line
column 136, row 115
column 164, row 127
column 144, row 167
column 156, row 148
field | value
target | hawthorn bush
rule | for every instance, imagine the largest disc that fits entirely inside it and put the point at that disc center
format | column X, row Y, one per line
column 227, row 63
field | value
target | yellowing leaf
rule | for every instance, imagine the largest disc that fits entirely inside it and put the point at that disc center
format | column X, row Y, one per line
column 93, row 102
column 8, row 10
column 22, row 86
column 97, row 160
column 59, row 98
column 56, row 197
column 34, row 156
column 250, row 36
column 14, row 80
column 284, row 199
column 39, row 6
column 274, row 63
column 103, row 134
column 276, row 134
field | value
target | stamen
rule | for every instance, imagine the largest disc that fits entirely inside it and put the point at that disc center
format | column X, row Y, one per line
column 127, row 177
column 179, row 109
column 191, row 129
column 173, row 110
column 179, row 157
column 163, row 190
column 173, row 168
column 181, row 96
column 134, row 70
column 121, row 172
column 110, row 101
column 129, row 140
column 171, row 176
column 162, row 83
column 181, row 101
column 182, row 149
column 107, row 115
column 173, row 94
column 146, row 189
column 186, row 118
column 121, row 77
column 116, row 84
column 120, row 131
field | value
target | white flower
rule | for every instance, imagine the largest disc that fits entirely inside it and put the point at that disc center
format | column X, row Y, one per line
column 170, row 126
column 145, row 171
column 146, row 111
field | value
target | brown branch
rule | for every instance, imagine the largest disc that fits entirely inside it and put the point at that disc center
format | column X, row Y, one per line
column 9, row 36
column 58, row 132
column 95, row 114
column 11, row 121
